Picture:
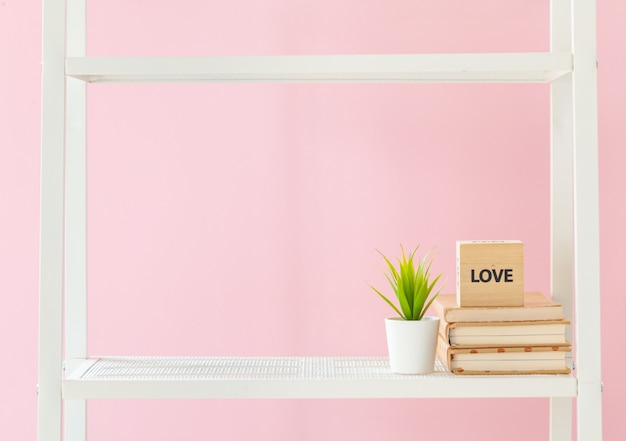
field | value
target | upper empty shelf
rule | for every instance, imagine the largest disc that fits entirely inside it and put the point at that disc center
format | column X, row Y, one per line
column 491, row 67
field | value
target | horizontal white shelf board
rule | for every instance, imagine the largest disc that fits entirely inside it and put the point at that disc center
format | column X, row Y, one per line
column 289, row 377
column 487, row 67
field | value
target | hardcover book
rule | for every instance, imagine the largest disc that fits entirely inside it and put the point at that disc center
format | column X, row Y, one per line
column 504, row 360
column 536, row 307
column 527, row 333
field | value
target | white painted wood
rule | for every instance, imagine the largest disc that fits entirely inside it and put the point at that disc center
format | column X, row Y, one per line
column 51, row 233
column 561, row 418
column 561, row 199
column 75, row 368
column 76, row 194
column 586, row 221
column 74, row 414
column 511, row 67
column 75, row 411
column 291, row 377
column 561, row 169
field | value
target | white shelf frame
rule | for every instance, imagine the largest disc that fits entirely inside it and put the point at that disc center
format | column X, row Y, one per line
column 570, row 68
column 289, row 377
column 510, row 67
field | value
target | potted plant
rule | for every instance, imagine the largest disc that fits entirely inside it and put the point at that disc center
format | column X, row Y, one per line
column 412, row 336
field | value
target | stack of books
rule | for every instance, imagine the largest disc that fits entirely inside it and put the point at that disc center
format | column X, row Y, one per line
column 527, row 339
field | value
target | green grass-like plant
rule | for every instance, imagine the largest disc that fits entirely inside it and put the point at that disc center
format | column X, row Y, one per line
column 411, row 284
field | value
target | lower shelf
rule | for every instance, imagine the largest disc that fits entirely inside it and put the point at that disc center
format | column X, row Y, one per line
column 289, row 377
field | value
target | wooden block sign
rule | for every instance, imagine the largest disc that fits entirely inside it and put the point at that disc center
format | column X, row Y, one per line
column 490, row 273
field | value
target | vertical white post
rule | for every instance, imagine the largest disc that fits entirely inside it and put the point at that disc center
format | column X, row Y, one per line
column 561, row 198
column 562, row 163
column 76, row 218
column 561, row 419
column 51, row 230
column 586, row 221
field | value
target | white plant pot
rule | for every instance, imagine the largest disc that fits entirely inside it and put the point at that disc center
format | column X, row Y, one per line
column 412, row 344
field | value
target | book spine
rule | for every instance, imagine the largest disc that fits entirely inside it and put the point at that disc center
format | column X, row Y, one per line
column 440, row 310
column 443, row 353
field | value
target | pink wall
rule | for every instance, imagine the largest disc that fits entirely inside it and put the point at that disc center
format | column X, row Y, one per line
column 243, row 219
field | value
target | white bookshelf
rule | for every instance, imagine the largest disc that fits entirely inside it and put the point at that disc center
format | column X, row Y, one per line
column 68, row 376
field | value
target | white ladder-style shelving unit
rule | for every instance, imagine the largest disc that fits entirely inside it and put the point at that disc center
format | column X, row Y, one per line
column 68, row 376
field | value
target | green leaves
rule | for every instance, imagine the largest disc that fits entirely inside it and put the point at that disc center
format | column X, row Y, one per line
column 411, row 284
